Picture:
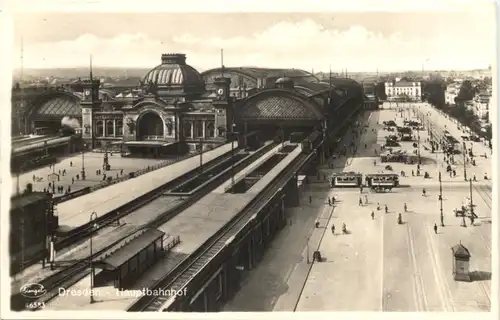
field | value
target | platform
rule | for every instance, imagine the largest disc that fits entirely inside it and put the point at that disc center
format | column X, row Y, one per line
column 76, row 212
column 194, row 226
column 38, row 144
column 73, row 166
column 223, row 188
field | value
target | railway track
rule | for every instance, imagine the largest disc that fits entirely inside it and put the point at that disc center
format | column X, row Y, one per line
column 78, row 270
column 111, row 217
column 180, row 277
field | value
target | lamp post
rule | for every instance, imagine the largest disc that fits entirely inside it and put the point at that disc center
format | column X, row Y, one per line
column 465, row 155
column 93, row 216
column 233, row 134
column 201, row 155
column 418, row 146
column 441, row 200
column 105, row 162
column 83, row 160
column 472, row 213
column 307, row 249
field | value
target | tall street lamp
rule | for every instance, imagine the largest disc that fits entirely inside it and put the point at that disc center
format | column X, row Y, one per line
column 93, row 217
column 465, row 155
column 418, row 146
column 201, row 155
column 83, row 159
column 233, row 135
column 441, row 200
column 472, row 213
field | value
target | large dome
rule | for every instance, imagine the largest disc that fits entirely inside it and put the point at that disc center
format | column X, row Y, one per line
column 174, row 75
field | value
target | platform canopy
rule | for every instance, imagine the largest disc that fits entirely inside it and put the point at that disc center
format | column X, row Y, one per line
column 150, row 144
column 130, row 248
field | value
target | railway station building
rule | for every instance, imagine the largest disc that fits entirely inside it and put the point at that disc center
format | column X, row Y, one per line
column 176, row 109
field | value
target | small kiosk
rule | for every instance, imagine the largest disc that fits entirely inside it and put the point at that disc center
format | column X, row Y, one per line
column 461, row 259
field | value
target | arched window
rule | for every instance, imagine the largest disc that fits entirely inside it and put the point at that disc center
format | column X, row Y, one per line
column 222, row 132
column 210, row 130
column 99, row 129
column 119, row 128
column 187, row 129
column 110, row 128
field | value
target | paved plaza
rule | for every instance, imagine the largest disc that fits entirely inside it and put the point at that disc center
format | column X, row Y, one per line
column 379, row 265
column 93, row 161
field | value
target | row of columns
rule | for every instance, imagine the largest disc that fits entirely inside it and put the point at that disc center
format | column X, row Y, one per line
column 104, row 128
column 204, row 123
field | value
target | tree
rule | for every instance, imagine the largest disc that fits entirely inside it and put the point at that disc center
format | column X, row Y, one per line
column 466, row 92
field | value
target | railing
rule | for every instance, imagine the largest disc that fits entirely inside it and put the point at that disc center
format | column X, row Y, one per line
column 171, row 244
column 153, row 137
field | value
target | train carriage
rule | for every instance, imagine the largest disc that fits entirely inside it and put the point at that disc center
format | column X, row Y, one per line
column 382, row 180
column 346, row 180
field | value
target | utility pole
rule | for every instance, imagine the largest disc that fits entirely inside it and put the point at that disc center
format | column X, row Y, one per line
column 201, row 155
column 441, row 200
column 465, row 155
column 472, row 213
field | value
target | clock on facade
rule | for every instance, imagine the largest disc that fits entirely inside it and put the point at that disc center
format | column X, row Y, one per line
column 220, row 92
column 86, row 93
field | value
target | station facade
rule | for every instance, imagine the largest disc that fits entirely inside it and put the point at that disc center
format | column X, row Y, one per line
column 175, row 108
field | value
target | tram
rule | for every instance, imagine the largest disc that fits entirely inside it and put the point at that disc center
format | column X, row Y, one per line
column 346, row 180
column 382, row 180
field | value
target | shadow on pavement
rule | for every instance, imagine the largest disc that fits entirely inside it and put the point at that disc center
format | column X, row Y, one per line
column 480, row 276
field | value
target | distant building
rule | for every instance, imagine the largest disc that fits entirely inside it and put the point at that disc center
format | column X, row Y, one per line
column 481, row 105
column 403, row 90
column 451, row 93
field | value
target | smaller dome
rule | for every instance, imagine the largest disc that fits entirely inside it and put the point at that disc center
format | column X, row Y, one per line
column 284, row 83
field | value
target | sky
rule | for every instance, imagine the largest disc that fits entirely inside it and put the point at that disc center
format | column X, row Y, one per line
column 450, row 40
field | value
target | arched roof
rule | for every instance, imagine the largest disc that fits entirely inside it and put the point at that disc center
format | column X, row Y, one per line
column 279, row 104
column 256, row 73
column 59, row 106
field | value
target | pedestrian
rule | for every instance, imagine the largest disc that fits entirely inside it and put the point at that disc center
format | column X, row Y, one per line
column 333, row 229
column 474, row 177
column 424, row 192
column 333, row 200
column 405, row 207
column 373, row 215
column 366, row 199
column 360, row 201
column 34, row 178
column 71, row 163
column 386, row 209
column 412, row 173
column 435, row 228
column 310, row 199
column 378, row 206
column 329, row 202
